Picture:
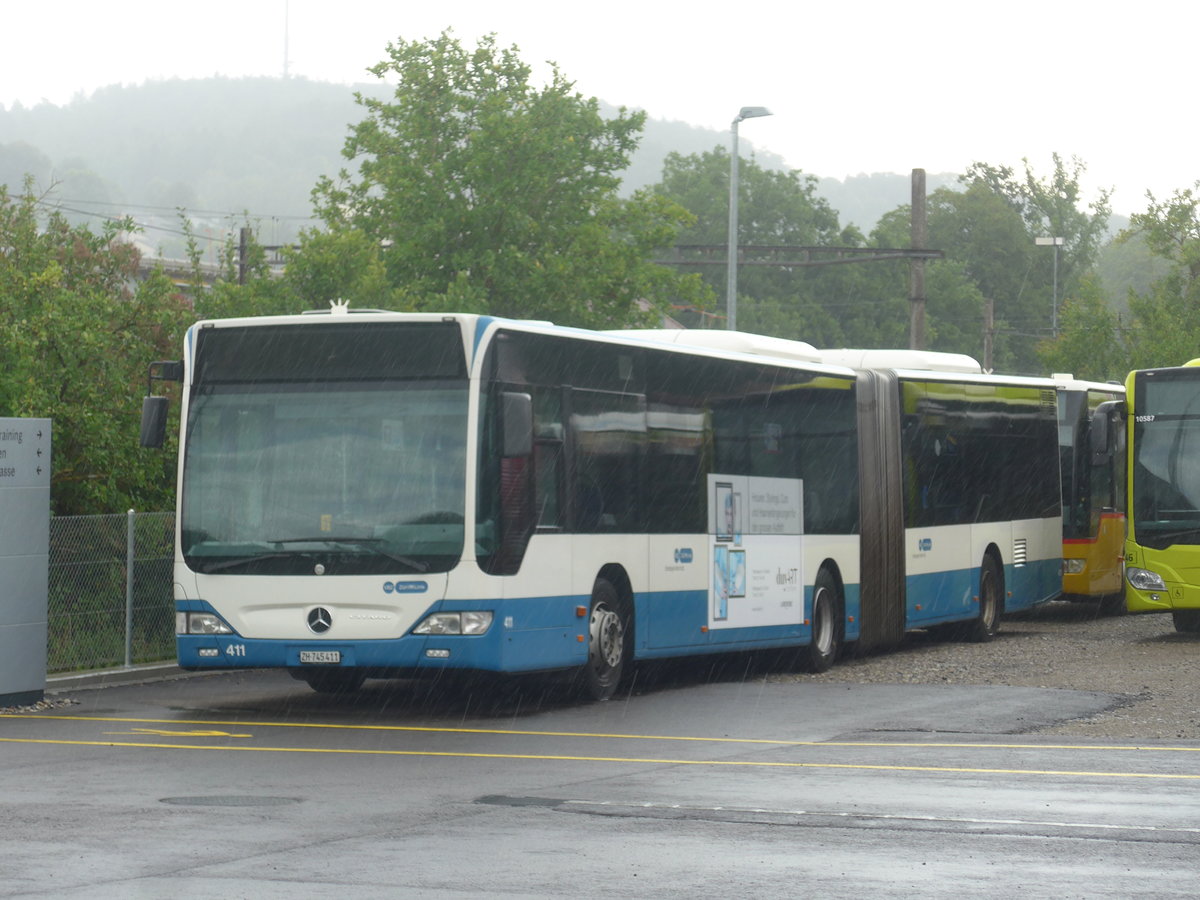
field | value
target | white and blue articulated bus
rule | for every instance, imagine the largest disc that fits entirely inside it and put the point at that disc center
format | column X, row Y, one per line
column 376, row 494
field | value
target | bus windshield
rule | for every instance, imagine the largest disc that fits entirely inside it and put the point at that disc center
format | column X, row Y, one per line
column 349, row 468
column 1166, row 482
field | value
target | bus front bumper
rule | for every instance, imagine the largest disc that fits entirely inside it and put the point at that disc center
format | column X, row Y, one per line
column 1147, row 591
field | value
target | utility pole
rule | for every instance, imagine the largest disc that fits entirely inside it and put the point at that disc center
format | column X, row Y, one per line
column 989, row 333
column 243, row 254
column 1054, row 242
column 916, row 266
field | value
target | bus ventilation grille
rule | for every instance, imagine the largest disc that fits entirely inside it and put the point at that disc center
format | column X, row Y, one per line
column 1020, row 552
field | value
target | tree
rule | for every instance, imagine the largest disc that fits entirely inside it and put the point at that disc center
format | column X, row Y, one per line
column 345, row 264
column 826, row 306
column 1026, row 305
column 243, row 284
column 1126, row 266
column 1088, row 344
column 488, row 194
column 954, row 302
column 19, row 161
column 1165, row 321
column 76, row 341
column 979, row 231
column 986, row 230
column 1163, row 325
column 1050, row 207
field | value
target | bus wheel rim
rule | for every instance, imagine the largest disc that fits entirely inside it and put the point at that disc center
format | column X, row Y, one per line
column 606, row 636
column 822, row 622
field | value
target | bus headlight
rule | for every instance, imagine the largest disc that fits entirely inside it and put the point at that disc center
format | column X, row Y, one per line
column 1074, row 566
column 200, row 623
column 1145, row 580
column 470, row 622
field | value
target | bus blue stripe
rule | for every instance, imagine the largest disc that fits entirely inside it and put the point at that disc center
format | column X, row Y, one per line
column 529, row 634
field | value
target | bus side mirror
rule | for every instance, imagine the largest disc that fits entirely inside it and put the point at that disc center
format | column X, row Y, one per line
column 154, row 409
column 516, row 423
column 1102, row 434
column 154, row 421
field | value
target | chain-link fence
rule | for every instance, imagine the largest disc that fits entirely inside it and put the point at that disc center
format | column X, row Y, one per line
column 110, row 600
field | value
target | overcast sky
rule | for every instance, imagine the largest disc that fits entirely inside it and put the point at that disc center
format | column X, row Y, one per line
column 855, row 87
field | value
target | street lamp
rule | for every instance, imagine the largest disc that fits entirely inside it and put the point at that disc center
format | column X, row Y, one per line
column 1054, row 242
column 731, row 258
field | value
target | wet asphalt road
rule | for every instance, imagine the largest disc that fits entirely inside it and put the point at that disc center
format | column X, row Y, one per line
column 250, row 785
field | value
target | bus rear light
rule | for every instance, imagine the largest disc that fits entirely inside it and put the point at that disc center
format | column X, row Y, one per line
column 471, row 622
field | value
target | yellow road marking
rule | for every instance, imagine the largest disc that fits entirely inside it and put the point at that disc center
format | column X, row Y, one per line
column 164, row 733
column 424, row 729
column 757, row 764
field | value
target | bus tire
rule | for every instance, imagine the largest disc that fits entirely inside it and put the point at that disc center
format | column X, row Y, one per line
column 991, row 593
column 333, row 681
column 1113, row 604
column 827, row 627
column 1187, row 621
column 609, row 644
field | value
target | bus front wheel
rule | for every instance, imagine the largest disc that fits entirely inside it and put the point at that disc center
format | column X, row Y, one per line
column 608, row 642
column 1187, row 621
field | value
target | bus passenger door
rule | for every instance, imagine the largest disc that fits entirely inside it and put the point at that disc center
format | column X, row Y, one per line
column 605, row 495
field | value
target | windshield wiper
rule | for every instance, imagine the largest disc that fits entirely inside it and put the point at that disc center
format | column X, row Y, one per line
column 360, row 542
column 245, row 561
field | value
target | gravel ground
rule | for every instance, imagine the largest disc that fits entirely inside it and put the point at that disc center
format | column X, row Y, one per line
column 1141, row 659
column 41, row 705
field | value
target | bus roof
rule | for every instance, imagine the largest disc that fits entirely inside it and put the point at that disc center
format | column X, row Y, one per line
column 932, row 360
column 1067, row 380
column 729, row 341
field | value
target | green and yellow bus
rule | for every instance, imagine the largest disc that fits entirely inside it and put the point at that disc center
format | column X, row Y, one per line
column 1162, row 547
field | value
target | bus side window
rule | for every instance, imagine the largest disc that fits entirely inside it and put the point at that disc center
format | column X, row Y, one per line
column 547, row 457
column 608, row 436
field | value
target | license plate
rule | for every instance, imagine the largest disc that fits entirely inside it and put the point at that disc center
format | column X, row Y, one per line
column 321, row 657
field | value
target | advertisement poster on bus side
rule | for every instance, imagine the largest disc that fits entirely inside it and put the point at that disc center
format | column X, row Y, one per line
column 756, row 527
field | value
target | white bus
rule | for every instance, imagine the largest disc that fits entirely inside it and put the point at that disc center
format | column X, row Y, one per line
column 386, row 494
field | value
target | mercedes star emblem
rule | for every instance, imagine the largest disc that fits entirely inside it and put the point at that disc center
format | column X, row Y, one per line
column 319, row 620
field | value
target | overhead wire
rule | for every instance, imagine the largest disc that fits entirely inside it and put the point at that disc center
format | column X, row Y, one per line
column 59, row 205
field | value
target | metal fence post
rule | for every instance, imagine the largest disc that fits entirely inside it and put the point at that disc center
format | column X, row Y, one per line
column 129, row 554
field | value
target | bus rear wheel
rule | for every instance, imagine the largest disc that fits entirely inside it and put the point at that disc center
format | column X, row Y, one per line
column 1187, row 621
column 608, row 642
column 827, row 629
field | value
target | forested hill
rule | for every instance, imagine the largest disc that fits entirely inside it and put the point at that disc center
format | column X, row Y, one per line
column 226, row 147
